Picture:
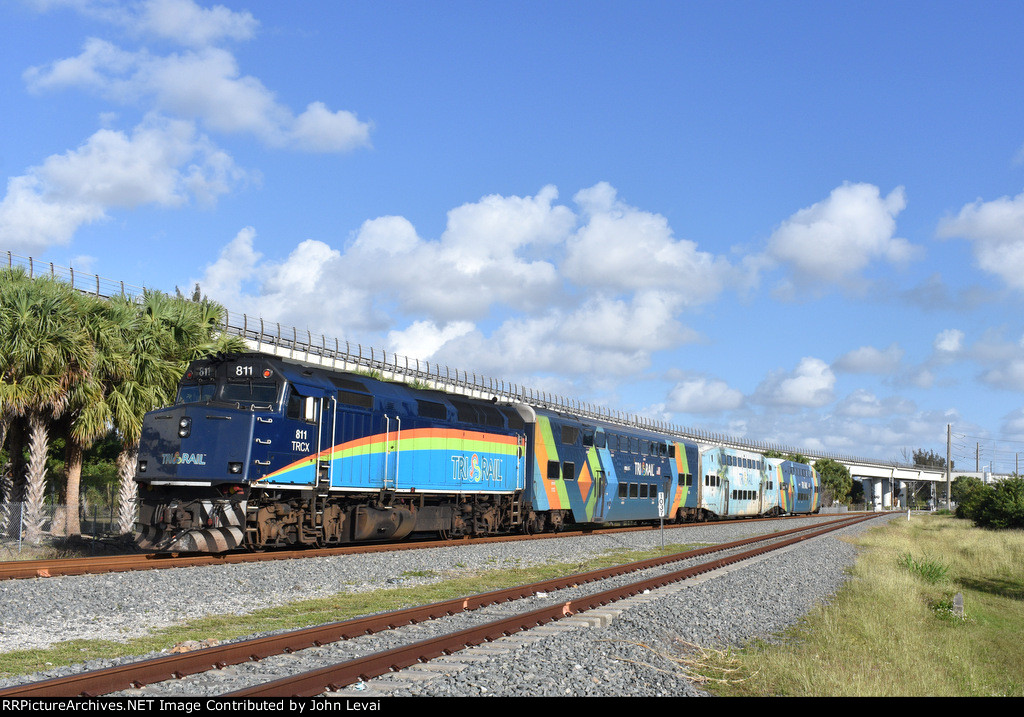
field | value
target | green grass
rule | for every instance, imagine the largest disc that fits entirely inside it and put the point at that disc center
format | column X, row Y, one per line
column 891, row 630
column 931, row 571
column 306, row 613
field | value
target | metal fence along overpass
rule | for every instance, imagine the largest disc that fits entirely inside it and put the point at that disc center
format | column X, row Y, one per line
column 884, row 481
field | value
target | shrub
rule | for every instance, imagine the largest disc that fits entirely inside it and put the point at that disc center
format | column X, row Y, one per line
column 972, row 498
column 1002, row 506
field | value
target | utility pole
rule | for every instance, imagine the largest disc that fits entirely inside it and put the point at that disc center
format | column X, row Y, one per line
column 949, row 456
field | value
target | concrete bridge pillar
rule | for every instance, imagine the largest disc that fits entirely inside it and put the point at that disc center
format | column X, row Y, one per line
column 884, row 491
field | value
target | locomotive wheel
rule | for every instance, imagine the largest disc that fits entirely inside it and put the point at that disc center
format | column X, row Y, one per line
column 534, row 525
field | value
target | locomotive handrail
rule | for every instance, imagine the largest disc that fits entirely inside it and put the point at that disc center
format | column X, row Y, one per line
column 485, row 386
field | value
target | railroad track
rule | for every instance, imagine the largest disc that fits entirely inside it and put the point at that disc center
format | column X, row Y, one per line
column 329, row 679
column 23, row 569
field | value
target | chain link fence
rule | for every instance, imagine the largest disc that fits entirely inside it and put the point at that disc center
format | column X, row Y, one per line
column 96, row 520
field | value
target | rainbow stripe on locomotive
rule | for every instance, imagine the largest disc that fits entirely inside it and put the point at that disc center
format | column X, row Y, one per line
column 258, row 451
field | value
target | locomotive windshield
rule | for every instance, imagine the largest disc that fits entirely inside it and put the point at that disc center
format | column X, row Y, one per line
column 247, row 382
column 195, row 394
column 251, row 393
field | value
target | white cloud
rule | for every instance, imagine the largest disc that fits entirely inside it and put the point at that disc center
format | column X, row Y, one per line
column 30, row 222
column 479, row 260
column 497, row 227
column 949, row 341
column 921, row 377
column 203, row 84
column 1007, row 376
column 836, row 239
column 152, row 166
column 646, row 323
column 996, row 229
column 162, row 162
column 1013, row 425
column 389, row 271
column 422, row 339
column 862, row 424
column 485, row 294
column 868, row 359
column 236, row 263
column 94, row 69
column 703, row 396
column 864, row 404
column 320, row 130
column 307, row 290
column 181, row 21
column 860, row 404
column 621, row 248
column 810, row 385
column 185, row 22
column 603, row 337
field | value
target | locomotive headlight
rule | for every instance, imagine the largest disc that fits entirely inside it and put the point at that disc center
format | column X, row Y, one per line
column 184, row 427
column 142, row 466
column 234, row 467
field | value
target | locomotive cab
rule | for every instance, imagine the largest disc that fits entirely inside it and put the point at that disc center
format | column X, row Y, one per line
column 197, row 457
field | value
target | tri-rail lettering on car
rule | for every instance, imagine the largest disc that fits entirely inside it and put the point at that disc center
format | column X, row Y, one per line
column 476, row 469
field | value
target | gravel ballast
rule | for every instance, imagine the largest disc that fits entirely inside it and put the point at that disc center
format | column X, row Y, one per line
column 631, row 656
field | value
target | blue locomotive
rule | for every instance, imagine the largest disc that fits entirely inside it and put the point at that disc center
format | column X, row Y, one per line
column 258, row 452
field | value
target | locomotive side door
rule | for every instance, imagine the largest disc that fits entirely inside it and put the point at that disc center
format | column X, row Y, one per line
column 300, row 440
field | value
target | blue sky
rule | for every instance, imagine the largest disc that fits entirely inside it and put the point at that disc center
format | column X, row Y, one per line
column 795, row 222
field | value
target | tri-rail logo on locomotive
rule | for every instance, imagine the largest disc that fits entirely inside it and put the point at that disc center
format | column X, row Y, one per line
column 476, row 469
column 173, row 459
column 259, row 452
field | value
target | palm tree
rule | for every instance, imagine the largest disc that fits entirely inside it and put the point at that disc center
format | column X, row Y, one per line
column 92, row 364
column 171, row 332
column 42, row 353
column 90, row 413
column 9, row 405
column 148, row 383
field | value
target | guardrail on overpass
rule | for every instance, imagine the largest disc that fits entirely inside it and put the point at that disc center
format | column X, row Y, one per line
column 304, row 346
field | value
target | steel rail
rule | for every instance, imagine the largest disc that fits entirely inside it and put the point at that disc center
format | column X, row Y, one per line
column 113, row 679
column 334, row 677
column 56, row 567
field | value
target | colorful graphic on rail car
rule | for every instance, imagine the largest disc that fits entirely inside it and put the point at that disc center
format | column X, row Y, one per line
column 799, row 487
column 422, row 459
column 602, row 474
column 568, row 472
column 735, row 482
